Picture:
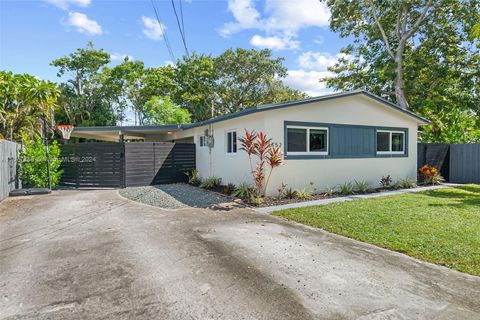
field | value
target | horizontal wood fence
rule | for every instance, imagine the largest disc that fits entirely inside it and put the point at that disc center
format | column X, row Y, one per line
column 93, row 165
column 126, row 164
column 9, row 152
column 457, row 163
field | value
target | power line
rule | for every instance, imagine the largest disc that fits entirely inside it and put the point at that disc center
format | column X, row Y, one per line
column 181, row 15
column 180, row 28
column 164, row 32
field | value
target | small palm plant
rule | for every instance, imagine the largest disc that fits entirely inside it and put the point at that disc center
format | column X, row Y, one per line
column 267, row 154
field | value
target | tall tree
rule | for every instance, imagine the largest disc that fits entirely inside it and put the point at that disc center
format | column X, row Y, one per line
column 440, row 63
column 84, row 100
column 160, row 111
column 24, row 100
column 195, row 81
column 247, row 78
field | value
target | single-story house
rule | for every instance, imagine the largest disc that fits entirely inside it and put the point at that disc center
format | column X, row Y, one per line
column 327, row 140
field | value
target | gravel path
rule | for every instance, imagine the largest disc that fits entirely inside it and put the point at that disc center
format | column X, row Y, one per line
column 175, row 196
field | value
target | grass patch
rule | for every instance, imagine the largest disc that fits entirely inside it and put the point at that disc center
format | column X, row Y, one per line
column 440, row 226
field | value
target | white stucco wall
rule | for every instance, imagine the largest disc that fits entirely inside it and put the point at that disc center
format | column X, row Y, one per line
column 298, row 173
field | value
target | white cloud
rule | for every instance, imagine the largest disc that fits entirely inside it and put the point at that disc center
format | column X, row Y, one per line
column 280, row 19
column 120, row 57
column 291, row 17
column 83, row 24
column 274, row 42
column 307, row 81
column 318, row 60
column 65, row 4
column 152, row 29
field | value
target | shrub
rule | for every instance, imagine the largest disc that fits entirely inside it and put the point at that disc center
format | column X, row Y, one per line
column 193, row 177
column 229, row 188
column 281, row 190
column 362, row 187
column 290, row 193
column 267, row 153
column 33, row 166
column 437, row 179
column 244, row 191
column 329, row 191
column 346, row 189
column 211, row 182
column 256, row 200
column 386, row 181
column 304, row 194
column 407, row 183
column 430, row 175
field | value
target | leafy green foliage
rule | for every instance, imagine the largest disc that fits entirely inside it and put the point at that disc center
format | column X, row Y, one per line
column 193, row 177
column 290, row 193
column 304, row 194
column 439, row 226
column 160, row 111
column 229, row 189
column 24, row 100
column 439, row 60
column 33, row 166
column 386, row 181
column 330, row 191
column 244, row 191
column 247, row 78
column 407, row 183
column 85, row 99
column 346, row 189
column 211, row 182
column 362, row 187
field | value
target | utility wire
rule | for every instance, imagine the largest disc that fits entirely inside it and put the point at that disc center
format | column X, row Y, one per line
column 164, row 32
column 181, row 16
column 182, row 31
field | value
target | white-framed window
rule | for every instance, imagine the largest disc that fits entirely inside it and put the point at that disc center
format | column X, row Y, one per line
column 307, row 140
column 390, row 142
column 231, row 144
column 202, row 141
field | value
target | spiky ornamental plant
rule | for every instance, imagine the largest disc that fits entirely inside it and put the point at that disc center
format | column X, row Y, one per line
column 268, row 154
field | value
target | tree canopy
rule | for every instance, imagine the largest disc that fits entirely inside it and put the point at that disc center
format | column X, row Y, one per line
column 423, row 49
column 160, row 111
column 95, row 93
column 25, row 99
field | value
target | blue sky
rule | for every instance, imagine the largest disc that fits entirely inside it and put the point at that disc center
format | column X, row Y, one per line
column 33, row 33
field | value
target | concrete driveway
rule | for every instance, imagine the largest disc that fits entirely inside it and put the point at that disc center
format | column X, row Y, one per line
column 96, row 255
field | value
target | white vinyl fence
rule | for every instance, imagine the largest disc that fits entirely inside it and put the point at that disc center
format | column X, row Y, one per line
column 9, row 152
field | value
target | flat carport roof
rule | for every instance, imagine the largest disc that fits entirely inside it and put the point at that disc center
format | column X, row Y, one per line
column 113, row 133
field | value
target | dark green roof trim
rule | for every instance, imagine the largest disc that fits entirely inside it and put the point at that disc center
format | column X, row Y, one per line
column 304, row 101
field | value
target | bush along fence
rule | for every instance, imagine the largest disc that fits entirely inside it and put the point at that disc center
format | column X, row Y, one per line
column 9, row 154
column 125, row 164
column 457, row 163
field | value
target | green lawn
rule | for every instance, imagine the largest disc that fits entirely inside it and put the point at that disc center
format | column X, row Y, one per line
column 440, row 226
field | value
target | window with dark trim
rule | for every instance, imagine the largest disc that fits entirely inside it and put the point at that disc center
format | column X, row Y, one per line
column 231, row 142
column 390, row 142
column 307, row 140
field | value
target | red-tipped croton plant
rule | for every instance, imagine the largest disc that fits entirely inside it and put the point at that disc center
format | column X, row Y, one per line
column 268, row 154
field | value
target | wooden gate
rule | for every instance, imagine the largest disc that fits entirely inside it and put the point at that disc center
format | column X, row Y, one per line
column 119, row 165
column 93, row 165
column 148, row 163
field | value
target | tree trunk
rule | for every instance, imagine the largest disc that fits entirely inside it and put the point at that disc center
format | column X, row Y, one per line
column 399, row 82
